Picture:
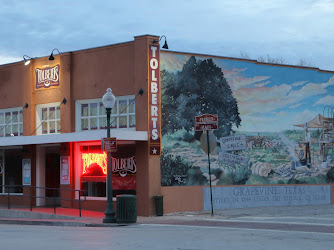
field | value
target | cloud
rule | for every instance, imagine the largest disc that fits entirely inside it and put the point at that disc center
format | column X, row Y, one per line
column 296, row 105
column 281, row 114
column 260, row 84
column 236, row 81
column 297, row 33
column 264, row 99
column 298, row 83
column 262, row 94
column 233, row 72
column 327, row 100
column 173, row 62
column 9, row 59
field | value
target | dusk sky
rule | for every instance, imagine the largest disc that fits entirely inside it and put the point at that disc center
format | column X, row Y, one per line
column 289, row 29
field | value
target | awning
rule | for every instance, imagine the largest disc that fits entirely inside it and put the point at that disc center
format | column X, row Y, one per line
column 120, row 134
column 317, row 122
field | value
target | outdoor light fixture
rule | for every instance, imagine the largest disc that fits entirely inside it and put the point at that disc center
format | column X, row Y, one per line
column 26, row 60
column 141, row 92
column 165, row 45
column 108, row 102
column 51, row 58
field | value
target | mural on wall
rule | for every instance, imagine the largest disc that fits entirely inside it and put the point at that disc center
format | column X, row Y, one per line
column 280, row 118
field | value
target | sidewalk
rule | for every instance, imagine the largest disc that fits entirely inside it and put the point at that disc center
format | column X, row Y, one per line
column 317, row 215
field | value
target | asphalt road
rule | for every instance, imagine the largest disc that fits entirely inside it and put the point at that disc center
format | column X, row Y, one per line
column 159, row 236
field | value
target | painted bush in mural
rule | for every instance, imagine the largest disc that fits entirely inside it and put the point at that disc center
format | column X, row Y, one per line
column 269, row 106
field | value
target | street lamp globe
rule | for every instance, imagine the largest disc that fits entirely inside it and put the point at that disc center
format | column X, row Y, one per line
column 108, row 99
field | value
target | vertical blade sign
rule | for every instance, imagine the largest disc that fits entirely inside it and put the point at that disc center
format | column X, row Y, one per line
column 154, row 106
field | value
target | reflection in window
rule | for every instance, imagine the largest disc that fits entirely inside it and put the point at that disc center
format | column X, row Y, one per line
column 50, row 119
column 93, row 114
column 11, row 122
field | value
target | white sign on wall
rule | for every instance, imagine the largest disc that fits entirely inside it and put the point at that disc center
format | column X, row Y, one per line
column 26, row 172
column 266, row 196
column 64, row 170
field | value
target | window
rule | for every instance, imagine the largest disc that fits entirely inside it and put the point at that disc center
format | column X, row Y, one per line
column 48, row 118
column 11, row 170
column 91, row 114
column 91, row 169
column 11, row 122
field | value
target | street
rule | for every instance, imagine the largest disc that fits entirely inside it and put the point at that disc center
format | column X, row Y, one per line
column 158, row 236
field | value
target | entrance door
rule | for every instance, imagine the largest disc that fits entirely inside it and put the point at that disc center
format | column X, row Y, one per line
column 52, row 176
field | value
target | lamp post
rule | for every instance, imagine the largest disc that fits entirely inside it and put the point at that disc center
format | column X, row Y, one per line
column 108, row 102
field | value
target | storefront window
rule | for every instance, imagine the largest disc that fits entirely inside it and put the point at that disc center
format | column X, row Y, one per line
column 91, row 114
column 94, row 170
column 11, row 170
column 11, row 122
column 48, row 116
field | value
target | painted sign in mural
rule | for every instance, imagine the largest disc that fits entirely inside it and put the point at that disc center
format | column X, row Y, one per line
column 279, row 117
column 47, row 77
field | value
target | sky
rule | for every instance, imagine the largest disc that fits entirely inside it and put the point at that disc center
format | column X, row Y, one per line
column 270, row 98
column 288, row 29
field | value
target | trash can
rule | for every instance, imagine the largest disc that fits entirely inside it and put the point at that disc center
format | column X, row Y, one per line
column 159, row 205
column 126, row 208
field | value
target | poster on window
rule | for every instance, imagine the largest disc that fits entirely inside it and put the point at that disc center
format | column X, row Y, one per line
column 26, row 172
column 64, row 170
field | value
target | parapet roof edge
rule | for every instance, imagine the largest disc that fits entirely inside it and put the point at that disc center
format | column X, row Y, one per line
column 250, row 60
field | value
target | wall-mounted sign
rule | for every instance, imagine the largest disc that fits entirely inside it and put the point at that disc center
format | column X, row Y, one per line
column 26, row 172
column 120, row 166
column 266, row 196
column 154, row 110
column 109, row 144
column 47, row 77
column 64, row 170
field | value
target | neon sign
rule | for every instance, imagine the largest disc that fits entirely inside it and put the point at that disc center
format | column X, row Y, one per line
column 121, row 166
column 98, row 158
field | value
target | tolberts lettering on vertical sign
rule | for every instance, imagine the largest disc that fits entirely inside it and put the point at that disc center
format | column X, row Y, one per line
column 47, row 77
column 154, row 117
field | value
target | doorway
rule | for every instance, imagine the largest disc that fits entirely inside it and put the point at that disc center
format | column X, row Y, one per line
column 47, row 174
column 52, row 177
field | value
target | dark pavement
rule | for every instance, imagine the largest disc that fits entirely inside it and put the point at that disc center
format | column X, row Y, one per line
column 302, row 218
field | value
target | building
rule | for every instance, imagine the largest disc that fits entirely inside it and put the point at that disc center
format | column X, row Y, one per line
column 52, row 121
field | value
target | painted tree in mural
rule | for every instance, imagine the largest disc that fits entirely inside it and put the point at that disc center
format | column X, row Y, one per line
column 199, row 88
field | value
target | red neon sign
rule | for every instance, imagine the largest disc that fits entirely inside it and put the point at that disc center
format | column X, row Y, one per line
column 122, row 166
column 98, row 158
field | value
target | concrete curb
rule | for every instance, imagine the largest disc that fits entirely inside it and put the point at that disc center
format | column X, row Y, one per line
column 43, row 223
column 13, row 213
column 60, row 223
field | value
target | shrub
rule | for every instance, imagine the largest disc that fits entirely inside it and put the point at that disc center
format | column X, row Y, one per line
column 195, row 177
column 255, row 179
column 170, row 167
column 330, row 175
